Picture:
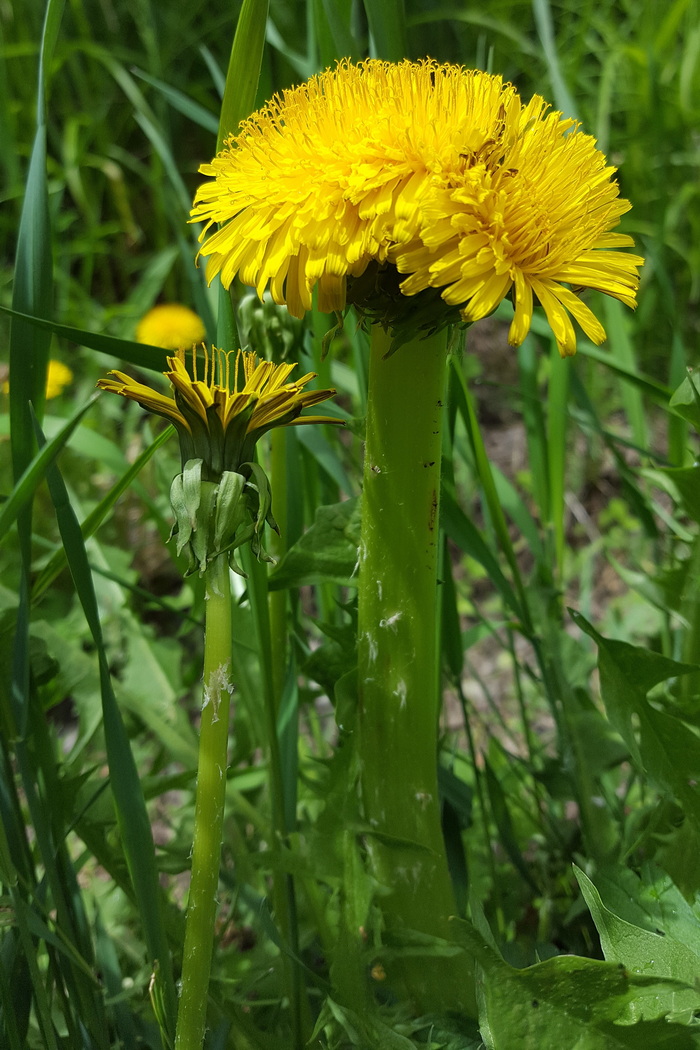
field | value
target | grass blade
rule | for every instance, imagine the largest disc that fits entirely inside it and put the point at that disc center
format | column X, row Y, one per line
column 545, row 29
column 152, row 358
column 33, row 279
column 337, row 16
column 485, row 477
column 244, row 67
column 132, row 815
column 182, row 103
column 387, row 26
column 93, row 521
column 25, row 487
column 557, row 417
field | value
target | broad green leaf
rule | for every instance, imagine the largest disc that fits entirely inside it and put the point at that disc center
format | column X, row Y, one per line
column 566, row 1002
column 327, row 551
column 646, row 952
column 685, row 401
column 687, row 481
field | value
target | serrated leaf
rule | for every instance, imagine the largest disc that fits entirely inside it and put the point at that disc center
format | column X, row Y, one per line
column 647, row 952
column 666, row 748
column 566, row 1001
column 687, row 481
column 685, row 402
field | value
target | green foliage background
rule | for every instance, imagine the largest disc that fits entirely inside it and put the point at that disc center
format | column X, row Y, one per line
column 570, row 755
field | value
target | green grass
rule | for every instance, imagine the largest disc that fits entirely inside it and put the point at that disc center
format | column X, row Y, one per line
column 569, row 753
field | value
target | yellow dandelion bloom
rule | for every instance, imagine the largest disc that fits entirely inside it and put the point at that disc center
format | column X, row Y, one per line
column 57, row 378
column 530, row 214
column 439, row 172
column 220, row 417
column 171, row 326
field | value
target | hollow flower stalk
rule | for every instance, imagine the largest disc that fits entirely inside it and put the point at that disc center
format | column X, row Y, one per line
column 220, row 500
column 423, row 194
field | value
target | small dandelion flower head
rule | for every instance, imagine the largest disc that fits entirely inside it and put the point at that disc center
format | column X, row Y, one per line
column 220, row 407
column 220, row 416
column 440, row 174
column 170, row 326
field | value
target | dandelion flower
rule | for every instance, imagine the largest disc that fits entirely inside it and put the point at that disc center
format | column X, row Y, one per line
column 221, row 416
column 221, row 499
column 530, row 213
column 58, row 377
column 435, row 172
column 170, row 326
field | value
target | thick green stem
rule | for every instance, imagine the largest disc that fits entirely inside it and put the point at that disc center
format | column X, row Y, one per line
column 209, row 810
column 398, row 659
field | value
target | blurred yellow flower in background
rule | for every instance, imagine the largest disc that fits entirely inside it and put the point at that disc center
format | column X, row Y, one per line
column 57, row 379
column 171, row 326
column 439, row 172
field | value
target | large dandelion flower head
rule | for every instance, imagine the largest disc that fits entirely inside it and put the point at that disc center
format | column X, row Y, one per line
column 416, row 181
column 330, row 175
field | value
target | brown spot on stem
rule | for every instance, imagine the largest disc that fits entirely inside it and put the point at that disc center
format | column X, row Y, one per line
column 433, row 512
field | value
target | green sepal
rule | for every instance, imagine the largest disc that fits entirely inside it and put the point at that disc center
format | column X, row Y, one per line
column 260, row 487
column 201, row 548
column 197, row 443
column 376, row 295
column 217, row 517
column 235, row 442
column 185, row 499
column 230, row 509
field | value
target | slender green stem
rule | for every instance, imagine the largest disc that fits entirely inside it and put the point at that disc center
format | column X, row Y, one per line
column 278, row 546
column 398, row 658
column 209, row 810
column 283, row 891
